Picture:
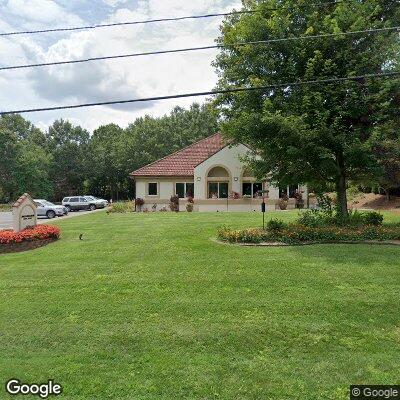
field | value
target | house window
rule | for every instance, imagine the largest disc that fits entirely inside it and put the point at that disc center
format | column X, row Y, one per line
column 247, row 189
column 184, row 189
column 257, row 188
column 289, row 191
column 153, row 189
column 292, row 190
column 190, row 189
column 251, row 189
column 282, row 191
column 217, row 190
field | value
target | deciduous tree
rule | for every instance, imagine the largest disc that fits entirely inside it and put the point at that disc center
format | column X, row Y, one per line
column 321, row 133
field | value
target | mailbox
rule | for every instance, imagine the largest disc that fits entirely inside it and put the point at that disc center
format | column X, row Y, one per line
column 263, row 207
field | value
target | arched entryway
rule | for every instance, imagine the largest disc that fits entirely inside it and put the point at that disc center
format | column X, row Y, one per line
column 218, row 182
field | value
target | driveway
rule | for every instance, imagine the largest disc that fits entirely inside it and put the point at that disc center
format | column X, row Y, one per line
column 6, row 218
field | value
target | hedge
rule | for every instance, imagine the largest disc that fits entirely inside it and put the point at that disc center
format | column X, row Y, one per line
column 297, row 234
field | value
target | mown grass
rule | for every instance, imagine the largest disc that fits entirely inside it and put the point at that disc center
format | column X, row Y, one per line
column 148, row 307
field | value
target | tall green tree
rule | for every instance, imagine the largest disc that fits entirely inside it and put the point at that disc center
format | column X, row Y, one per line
column 106, row 172
column 148, row 139
column 8, row 161
column 320, row 134
column 24, row 160
column 68, row 145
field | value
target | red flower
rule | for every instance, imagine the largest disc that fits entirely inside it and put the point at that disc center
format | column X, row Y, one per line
column 39, row 232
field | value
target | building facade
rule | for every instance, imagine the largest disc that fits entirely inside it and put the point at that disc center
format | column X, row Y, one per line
column 213, row 173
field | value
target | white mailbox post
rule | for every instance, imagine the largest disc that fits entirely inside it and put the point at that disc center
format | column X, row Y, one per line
column 24, row 213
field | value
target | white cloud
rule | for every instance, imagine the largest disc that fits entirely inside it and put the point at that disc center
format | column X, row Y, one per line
column 41, row 11
column 114, row 79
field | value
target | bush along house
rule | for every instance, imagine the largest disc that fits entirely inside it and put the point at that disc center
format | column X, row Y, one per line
column 211, row 172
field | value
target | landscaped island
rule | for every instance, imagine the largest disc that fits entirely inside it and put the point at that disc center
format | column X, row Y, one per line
column 317, row 227
column 27, row 239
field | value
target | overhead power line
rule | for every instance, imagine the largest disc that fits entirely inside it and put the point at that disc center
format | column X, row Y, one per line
column 150, row 21
column 190, row 49
column 360, row 78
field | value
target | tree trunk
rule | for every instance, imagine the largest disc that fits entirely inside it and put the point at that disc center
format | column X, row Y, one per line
column 341, row 191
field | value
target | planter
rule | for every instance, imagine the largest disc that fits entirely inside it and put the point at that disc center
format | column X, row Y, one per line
column 283, row 204
column 174, row 203
column 28, row 239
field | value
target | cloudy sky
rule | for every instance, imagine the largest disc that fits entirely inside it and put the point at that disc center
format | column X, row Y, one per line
column 105, row 80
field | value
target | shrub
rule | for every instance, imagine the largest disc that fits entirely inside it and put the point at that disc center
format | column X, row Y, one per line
column 283, row 203
column 297, row 234
column 39, row 232
column 250, row 235
column 356, row 218
column 275, row 225
column 373, row 218
column 189, row 207
column 325, row 202
column 139, row 202
column 314, row 218
column 174, row 203
column 121, row 207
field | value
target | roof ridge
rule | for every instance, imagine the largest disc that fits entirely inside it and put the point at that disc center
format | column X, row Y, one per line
column 176, row 152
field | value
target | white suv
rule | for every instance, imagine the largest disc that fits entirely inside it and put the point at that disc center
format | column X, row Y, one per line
column 77, row 203
column 99, row 203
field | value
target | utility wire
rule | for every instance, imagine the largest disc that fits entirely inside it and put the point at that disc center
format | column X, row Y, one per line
column 189, row 49
column 360, row 78
column 149, row 21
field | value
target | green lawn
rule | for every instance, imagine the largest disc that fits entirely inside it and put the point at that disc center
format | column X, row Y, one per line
column 148, row 307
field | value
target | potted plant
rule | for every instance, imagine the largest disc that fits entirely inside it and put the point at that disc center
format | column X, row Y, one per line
column 138, row 204
column 299, row 199
column 234, row 195
column 174, row 203
column 190, row 204
column 283, row 202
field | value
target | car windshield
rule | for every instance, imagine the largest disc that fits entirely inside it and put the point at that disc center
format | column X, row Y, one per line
column 47, row 203
column 91, row 197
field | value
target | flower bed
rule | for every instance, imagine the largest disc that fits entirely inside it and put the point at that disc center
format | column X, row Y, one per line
column 298, row 234
column 122, row 207
column 10, row 240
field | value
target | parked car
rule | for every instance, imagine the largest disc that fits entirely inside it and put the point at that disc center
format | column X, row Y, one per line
column 99, row 203
column 47, row 209
column 77, row 203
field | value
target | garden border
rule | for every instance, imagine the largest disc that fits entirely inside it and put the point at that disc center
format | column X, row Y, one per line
column 25, row 246
column 282, row 244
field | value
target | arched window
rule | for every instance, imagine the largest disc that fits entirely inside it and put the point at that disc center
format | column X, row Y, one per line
column 218, row 183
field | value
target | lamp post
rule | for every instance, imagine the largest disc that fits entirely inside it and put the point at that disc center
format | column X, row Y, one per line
column 263, row 206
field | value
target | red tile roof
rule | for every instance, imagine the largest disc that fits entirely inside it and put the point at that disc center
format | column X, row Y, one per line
column 183, row 162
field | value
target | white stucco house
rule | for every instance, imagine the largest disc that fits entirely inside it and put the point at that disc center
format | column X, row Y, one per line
column 212, row 172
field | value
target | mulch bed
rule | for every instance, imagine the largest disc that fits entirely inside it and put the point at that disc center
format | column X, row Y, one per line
column 278, row 244
column 25, row 246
